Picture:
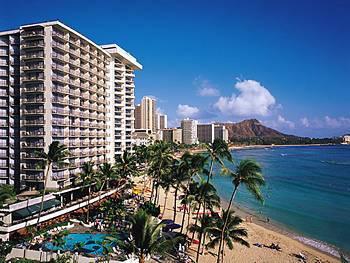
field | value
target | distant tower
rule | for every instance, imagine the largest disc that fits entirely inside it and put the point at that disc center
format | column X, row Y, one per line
column 189, row 131
column 148, row 114
column 162, row 121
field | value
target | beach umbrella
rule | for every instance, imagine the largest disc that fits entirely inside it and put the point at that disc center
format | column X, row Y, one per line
column 167, row 221
column 172, row 227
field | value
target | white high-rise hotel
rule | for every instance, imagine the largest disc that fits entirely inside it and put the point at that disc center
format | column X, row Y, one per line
column 57, row 85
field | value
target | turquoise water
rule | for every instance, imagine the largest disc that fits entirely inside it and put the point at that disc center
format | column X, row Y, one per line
column 308, row 190
column 92, row 243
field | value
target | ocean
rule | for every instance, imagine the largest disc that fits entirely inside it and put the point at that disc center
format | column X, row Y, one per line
column 307, row 191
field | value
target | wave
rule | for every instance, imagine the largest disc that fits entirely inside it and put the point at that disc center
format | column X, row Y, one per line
column 319, row 245
column 336, row 163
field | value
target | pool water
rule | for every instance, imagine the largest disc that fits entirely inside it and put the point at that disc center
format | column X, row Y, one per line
column 90, row 243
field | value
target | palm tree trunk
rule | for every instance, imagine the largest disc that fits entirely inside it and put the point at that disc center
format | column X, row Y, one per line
column 209, row 175
column 142, row 258
column 165, row 201
column 226, row 219
column 152, row 193
column 183, row 218
column 88, row 206
column 195, row 222
column 199, row 245
column 43, row 195
column 188, row 220
column 175, row 199
column 99, row 193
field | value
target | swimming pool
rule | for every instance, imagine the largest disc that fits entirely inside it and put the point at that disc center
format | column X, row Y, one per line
column 82, row 242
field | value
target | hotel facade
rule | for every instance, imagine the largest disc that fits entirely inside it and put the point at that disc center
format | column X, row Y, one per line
column 57, row 85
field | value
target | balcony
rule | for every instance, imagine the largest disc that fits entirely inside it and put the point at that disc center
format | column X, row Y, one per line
column 33, row 78
column 60, row 122
column 33, row 89
column 33, row 111
column 32, row 145
column 33, row 177
column 33, row 67
column 33, row 45
column 33, row 56
column 33, row 34
column 34, row 100
column 60, row 57
column 33, row 122
column 59, row 46
column 59, row 35
column 60, row 111
column 59, row 100
column 32, row 133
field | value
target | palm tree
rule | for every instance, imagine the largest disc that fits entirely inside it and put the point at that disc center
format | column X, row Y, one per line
column 218, row 151
column 160, row 160
column 56, row 155
column 146, row 237
column 181, row 175
column 87, row 178
column 204, row 223
column 232, row 234
column 7, row 193
column 206, row 194
column 247, row 172
column 105, row 172
column 126, row 165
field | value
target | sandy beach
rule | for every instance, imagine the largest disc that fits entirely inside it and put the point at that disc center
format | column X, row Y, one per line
column 256, row 234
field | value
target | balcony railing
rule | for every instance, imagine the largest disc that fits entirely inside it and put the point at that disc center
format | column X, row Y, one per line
column 26, row 34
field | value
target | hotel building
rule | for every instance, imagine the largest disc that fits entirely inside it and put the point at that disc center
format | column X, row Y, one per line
column 62, row 87
column 172, row 135
column 189, row 131
column 221, row 132
column 205, row 133
column 162, row 121
column 122, row 86
column 145, row 114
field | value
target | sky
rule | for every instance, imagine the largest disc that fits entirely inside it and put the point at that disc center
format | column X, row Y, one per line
column 285, row 63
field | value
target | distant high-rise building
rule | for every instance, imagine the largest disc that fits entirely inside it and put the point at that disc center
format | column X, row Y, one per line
column 221, row 132
column 138, row 116
column 205, row 133
column 189, row 131
column 162, row 121
column 172, row 135
column 145, row 114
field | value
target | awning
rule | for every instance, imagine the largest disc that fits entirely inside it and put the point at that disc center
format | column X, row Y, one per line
column 33, row 209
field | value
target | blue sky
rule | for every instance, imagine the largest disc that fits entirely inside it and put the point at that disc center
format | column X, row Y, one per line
column 286, row 63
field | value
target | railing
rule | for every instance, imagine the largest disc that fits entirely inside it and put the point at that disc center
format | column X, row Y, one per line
column 35, row 122
column 37, row 55
column 32, row 33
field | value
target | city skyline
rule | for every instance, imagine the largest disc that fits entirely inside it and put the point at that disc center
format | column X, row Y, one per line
column 285, row 64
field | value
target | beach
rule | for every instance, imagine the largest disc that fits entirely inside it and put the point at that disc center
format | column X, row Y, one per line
column 257, row 233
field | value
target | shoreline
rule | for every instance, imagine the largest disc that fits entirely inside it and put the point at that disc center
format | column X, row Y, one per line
column 262, row 146
column 278, row 227
column 258, row 232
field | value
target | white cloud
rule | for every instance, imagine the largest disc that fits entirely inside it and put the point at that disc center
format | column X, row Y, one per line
column 208, row 92
column 326, row 122
column 305, row 122
column 253, row 99
column 186, row 111
column 337, row 122
column 205, row 88
column 281, row 120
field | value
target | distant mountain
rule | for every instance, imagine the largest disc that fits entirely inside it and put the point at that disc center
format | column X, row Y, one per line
column 253, row 132
column 252, row 128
